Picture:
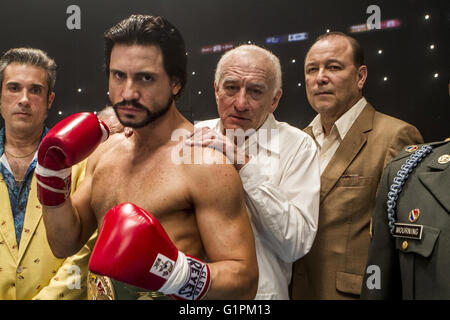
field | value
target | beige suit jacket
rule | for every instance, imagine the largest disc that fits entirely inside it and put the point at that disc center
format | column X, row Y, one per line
column 334, row 267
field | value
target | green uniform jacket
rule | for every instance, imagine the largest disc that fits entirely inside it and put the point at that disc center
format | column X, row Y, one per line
column 400, row 267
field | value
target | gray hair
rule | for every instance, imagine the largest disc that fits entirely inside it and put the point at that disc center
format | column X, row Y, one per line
column 106, row 112
column 108, row 115
column 31, row 56
column 276, row 67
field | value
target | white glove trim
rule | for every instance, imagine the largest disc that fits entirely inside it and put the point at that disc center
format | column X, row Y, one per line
column 189, row 280
column 105, row 132
column 178, row 277
column 44, row 172
column 43, row 185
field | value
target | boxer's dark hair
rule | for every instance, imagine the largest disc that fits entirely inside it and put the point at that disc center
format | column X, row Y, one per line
column 31, row 56
column 151, row 30
column 358, row 53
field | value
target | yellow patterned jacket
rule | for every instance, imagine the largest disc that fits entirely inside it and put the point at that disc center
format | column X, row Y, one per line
column 31, row 271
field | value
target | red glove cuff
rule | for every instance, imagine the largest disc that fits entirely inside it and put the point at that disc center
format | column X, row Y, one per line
column 53, row 191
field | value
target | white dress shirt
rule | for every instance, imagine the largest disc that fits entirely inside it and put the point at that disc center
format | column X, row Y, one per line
column 329, row 144
column 282, row 190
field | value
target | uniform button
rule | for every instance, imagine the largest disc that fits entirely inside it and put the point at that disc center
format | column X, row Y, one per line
column 405, row 245
column 20, row 269
column 444, row 159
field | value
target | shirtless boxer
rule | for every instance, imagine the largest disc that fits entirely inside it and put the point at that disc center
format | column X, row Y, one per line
column 200, row 206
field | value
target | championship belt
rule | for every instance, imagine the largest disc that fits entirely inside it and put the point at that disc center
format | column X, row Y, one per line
column 105, row 288
column 100, row 287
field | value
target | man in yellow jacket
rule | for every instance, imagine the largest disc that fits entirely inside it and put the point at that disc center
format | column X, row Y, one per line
column 28, row 268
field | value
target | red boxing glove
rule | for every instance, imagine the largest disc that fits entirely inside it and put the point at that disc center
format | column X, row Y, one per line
column 70, row 141
column 133, row 248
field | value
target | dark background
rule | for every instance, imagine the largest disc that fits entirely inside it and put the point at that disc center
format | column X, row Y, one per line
column 411, row 92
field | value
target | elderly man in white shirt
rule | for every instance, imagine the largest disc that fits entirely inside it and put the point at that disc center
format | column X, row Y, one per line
column 278, row 164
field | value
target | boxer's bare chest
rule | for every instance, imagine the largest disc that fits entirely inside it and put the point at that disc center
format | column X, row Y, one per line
column 152, row 182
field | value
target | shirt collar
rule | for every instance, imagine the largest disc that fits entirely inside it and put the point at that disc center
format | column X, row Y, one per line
column 2, row 141
column 344, row 123
column 2, row 138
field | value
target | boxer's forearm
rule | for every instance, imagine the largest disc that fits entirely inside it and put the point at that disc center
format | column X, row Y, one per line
column 233, row 280
column 63, row 229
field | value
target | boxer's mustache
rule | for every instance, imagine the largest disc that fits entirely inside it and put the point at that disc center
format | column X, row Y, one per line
column 133, row 103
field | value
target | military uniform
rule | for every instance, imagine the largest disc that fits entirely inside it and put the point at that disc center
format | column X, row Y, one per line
column 409, row 254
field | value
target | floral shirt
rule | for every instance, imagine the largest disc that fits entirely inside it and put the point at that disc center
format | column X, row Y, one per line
column 18, row 196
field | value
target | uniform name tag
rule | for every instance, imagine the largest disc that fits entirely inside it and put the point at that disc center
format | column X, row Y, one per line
column 409, row 231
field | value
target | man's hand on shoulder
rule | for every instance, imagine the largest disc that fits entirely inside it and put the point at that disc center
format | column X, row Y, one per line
column 206, row 137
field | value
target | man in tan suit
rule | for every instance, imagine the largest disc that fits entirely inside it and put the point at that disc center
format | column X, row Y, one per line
column 356, row 143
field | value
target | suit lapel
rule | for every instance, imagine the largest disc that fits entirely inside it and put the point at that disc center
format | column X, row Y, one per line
column 353, row 141
column 437, row 181
column 6, row 221
column 33, row 215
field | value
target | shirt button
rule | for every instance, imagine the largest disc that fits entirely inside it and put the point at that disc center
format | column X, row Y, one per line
column 20, row 207
column 405, row 245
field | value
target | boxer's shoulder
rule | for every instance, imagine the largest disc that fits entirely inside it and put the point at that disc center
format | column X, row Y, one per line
column 211, row 175
column 204, row 160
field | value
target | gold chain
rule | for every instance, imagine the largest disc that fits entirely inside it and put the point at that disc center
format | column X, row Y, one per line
column 21, row 157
